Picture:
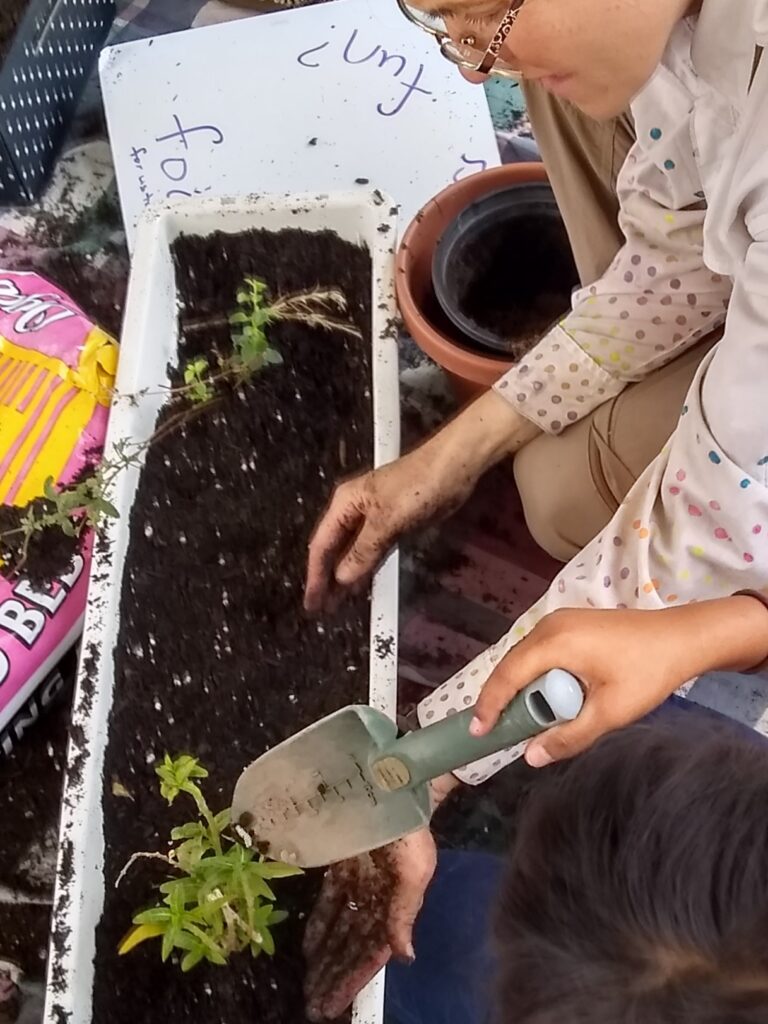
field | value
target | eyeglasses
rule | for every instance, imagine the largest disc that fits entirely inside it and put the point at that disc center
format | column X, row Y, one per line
column 466, row 53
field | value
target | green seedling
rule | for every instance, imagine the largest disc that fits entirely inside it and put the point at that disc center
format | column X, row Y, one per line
column 222, row 902
column 199, row 387
column 249, row 329
column 321, row 309
column 75, row 507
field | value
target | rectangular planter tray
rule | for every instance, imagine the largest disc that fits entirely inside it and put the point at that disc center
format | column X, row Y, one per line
column 149, row 344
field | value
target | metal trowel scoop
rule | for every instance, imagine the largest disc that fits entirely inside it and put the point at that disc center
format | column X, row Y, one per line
column 347, row 784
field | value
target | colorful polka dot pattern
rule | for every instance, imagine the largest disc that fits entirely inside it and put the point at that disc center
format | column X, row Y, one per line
column 655, row 300
column 695, row 526
column 689, row 530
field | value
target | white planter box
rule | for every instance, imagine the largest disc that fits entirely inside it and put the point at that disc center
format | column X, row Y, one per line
column 149, row 344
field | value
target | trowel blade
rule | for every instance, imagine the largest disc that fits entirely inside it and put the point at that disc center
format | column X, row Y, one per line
column 312, row 800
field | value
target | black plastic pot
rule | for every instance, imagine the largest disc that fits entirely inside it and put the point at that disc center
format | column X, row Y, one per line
column 41, row 79
column 503, row 270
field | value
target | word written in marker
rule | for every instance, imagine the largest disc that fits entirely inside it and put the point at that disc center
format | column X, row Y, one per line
column 469, row 166
column 171, row 160
column 392, row 64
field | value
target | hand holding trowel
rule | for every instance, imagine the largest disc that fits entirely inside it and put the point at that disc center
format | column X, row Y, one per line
column 347, row 784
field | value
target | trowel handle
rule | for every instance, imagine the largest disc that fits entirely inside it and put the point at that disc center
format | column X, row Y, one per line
column 445, row 746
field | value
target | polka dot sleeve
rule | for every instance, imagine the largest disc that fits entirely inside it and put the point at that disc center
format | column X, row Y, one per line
column 656, row 299
column 695, row 524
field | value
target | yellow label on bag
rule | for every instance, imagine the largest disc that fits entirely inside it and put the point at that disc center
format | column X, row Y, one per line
column 48, row 410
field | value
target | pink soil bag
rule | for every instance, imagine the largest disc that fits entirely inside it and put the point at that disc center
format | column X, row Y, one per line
column 56, row 376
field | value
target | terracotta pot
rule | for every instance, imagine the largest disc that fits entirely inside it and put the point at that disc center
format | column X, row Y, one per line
column 470, row 372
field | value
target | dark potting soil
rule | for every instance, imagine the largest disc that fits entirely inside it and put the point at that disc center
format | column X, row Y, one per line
column 24, row 932
column 31, row 780
column 99, row 294
column 215, row 656
column 49, row 554
column 517, row 280
column 11, row 13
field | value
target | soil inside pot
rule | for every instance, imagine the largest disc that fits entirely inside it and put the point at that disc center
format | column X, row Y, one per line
column 215, row 656
column 516, row 280
column 433, row 312
column 11, row 13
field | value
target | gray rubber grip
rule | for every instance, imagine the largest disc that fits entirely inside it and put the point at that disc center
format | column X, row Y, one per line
column 447, row 745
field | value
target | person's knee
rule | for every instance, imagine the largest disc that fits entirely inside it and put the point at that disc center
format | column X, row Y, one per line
column 562, row 507
column 548, row 501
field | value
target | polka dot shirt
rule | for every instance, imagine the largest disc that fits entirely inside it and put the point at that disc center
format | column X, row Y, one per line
column 695, row 525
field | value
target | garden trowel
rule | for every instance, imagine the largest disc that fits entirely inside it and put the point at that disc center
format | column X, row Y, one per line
column 347, row 784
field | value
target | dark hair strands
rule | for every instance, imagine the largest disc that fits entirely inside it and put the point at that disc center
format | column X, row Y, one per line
column 637, row 891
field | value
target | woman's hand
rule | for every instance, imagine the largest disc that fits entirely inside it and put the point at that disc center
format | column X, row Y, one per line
column 628, row 661
column 368, row 515
column 364, row 915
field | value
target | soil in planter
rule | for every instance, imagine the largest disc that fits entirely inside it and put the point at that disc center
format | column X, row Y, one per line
column 516, row 280
column 215, row 656
column 11, row 13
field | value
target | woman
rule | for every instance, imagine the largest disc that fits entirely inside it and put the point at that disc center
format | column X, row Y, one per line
column 666, row 337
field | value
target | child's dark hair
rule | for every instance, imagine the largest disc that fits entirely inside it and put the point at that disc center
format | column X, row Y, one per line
column 638, row 889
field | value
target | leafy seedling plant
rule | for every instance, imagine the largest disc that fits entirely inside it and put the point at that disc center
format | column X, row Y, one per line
column 86, row 505
column 321, row 308
column 75, row 508
column 222, row 902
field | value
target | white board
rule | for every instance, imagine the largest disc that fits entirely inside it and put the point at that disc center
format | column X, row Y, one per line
column 316, row 99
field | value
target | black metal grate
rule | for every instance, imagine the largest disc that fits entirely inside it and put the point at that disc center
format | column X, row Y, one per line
column 44, row 73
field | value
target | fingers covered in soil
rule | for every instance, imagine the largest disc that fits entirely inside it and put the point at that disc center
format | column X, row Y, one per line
column 346, row 943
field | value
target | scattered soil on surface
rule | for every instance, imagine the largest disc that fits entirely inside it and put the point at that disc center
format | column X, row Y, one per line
column 486, row 818
column 31, row 780
column 215, row 656
column 24, row 937
column 100, row 294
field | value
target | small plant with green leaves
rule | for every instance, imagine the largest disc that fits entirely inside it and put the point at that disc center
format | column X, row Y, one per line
column 198, row 388
column 321, row 309
column 85, row 505
column 74, row 508
column 222, row 902
column 249, row 323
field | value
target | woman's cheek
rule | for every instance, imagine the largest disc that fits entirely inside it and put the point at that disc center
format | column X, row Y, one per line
column 534, row 43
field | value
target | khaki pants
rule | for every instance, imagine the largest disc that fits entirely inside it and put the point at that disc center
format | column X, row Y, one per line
column 572, row 484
